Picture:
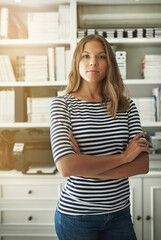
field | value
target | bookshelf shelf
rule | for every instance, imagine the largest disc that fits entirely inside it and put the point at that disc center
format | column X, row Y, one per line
column 29, row 43
column 151, row 124
column 23, row 125
column 134, row 41
column 33, row 84
column 142, row 81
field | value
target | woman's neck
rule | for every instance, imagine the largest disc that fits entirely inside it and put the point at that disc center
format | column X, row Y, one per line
column 90, row 94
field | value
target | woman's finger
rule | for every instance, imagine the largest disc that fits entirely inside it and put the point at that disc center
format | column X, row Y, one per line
column 144, row 142
column 139, row 135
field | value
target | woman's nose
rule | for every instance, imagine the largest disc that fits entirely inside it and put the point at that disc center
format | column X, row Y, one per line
column 93, row 62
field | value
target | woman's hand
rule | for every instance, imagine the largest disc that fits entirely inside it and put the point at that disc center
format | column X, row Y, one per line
column 136, row 146
column 73, row 143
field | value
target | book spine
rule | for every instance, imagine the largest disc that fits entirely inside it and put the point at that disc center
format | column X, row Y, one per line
column 4, row 23
column 51, row 64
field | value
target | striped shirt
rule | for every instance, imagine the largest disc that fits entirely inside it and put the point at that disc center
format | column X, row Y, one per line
column 97, row 133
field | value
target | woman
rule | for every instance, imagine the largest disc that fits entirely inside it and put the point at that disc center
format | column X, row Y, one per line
column 97, row 143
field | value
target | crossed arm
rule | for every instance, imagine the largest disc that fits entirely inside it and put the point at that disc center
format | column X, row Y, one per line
column 134, row 160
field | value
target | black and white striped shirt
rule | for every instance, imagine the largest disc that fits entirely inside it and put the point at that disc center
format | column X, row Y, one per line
column 97, row 133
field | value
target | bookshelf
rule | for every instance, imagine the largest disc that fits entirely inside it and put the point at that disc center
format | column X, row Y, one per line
column 136, row 85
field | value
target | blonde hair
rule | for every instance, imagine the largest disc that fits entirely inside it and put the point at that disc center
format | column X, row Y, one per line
column 112, row 88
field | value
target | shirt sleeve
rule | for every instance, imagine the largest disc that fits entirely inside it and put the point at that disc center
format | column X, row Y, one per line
column 133, row 121
column 60, row 125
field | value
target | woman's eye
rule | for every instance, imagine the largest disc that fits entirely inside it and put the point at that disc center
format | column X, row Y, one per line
column 85, row 56
column 102, row 57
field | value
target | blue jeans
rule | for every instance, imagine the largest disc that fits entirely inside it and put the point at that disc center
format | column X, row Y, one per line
column 112, row 226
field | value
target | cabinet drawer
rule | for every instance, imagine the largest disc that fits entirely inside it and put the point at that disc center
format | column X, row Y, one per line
column 31, row 191
column 27, row 217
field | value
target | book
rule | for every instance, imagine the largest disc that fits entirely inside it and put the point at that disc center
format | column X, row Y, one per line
column 60, row 63
column 4, row 23
column 64, row 21
column 7, row 106
column 6, row 70
column 67, row 63
column 156, row 94
column 51, row 64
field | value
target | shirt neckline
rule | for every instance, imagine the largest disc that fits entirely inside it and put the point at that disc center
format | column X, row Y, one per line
column 83, row 100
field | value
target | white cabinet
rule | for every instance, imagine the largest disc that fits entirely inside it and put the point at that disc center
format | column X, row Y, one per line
column 145, row 206
column 27, row 205
column 152, row 210
column 136, row 205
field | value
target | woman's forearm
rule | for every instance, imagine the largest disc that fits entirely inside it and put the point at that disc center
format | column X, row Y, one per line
column 139, row 166
column 82, row 165
column 89, row 165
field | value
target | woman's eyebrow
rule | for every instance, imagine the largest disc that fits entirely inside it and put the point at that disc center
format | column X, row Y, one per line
column 97, row 53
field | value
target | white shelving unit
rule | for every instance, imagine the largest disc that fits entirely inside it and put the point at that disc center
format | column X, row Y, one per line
column 134, row 43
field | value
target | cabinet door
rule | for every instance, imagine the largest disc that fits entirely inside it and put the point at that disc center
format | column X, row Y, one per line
column 152, row 208
column 136, row 205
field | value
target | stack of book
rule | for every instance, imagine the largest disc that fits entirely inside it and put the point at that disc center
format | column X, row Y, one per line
column 130, row 32
column 157, row 32
column 32, row 68
column 49, row 25
column 140, row 32
column 110, row 33
column 6, row 70
column 7, row 106
column 121, row 61
column 145, row 108
column 120, row 33
column 43, row 25
column 149, row 32
column 152, row 69
column 38, row 109
column 81, row 34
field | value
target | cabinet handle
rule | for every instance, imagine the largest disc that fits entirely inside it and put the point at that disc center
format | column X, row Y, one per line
column 30, row 191
column 29, row 218
column 138, row 218
column 148, row 218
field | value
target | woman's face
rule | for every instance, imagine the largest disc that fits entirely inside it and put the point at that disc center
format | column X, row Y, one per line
column 93, row 63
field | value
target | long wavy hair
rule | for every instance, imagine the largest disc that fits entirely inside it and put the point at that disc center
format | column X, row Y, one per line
column 113, row 88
